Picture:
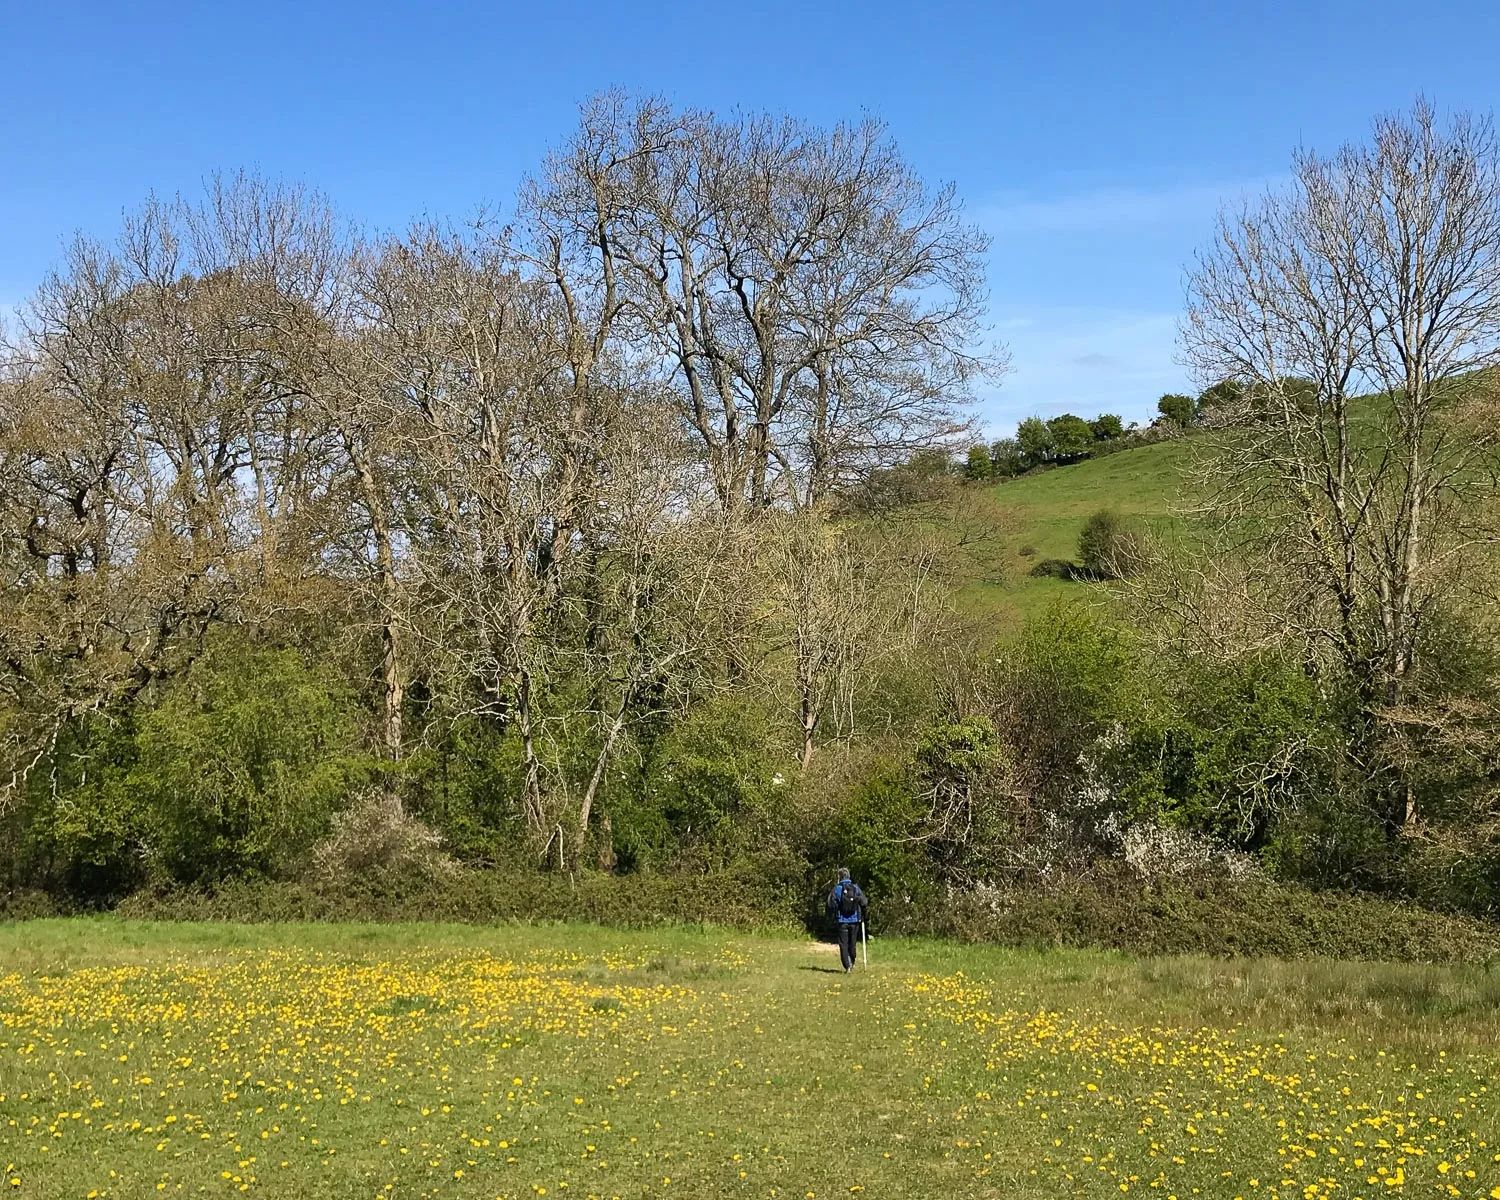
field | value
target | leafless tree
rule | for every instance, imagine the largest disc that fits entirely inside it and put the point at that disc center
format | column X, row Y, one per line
column 842, row 603
column 553, row 544
column 156, row 448
column 526, row 456
column 1360, row 311
column 814, row 307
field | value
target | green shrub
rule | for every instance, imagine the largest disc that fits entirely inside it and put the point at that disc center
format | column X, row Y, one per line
column 464, row 780
column 871, row 833
column 1109, row 547
column 1070, row 677
column 747, row 899
column 1112, row 909
column 26, row 904
column 706, row 787
column 82, row 830
column 1053, row 568
column 1230, row 750
column 1108, row 909
column 234, row 766
column 243, row 762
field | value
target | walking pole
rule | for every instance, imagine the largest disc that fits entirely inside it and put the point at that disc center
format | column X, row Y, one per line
column 864, row 943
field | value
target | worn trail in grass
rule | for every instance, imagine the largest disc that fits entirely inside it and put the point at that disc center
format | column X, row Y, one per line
column 431, row 1061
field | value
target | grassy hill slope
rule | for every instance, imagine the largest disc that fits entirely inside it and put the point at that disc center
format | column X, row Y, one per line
column 1041, row 515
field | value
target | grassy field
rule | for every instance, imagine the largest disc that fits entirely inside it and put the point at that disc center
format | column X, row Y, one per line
column 1040, row 516
column 338, row 1061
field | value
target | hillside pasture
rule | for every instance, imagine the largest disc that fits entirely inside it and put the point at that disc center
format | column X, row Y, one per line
column 1042, row 514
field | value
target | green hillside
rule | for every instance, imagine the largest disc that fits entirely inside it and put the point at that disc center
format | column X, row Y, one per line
column 1040, row 516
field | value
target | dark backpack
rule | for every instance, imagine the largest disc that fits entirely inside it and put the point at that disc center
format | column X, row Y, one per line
column 848, row 899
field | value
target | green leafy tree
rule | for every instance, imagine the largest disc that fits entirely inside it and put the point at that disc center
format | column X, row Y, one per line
column 929, row 464
column 1224, row 396
column 978, row 468
column 1006, row 458
column 1106, row 427
column 1036, row 441
column 1072, row 437
column 244, row 761
column 1108, row 548
column 1177, row 408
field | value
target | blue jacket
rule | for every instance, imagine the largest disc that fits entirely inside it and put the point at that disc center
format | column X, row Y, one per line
column 859, row 903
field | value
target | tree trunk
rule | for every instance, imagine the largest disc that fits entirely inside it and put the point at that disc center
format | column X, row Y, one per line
column 607, row 858
column 385, row 569
column 581, row 836
column 531, row 787
column 395, row 691
column 809, row 725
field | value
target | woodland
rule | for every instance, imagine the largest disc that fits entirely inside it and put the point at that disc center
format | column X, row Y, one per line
column 636, row 533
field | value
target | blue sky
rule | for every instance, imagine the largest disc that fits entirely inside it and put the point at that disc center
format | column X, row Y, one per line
column 1093, row 140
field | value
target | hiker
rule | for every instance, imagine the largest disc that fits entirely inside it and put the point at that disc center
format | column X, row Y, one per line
column 846, row 904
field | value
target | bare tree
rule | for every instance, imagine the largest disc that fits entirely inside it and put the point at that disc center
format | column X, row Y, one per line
column 528, row 456
column 1360, row 311
column 813, row 305
column 464, row 400
column 557, row 575
column 366, row 484
column 156, row 448
column 664, row 570
column 842, row 604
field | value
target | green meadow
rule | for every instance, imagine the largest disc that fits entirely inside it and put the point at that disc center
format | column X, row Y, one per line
column 141, row 1059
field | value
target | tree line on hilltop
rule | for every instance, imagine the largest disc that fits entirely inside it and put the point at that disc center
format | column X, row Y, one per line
column 1066, row 438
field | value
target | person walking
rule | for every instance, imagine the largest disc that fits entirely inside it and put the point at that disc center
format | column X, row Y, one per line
column 846, row 904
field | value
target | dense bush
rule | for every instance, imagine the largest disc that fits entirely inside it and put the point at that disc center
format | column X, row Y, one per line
column 746, row 899
column 1115, row 910
column 705, row 790
column 375, row 838
column 233, row 768
column 1110, row 547
column 1107, row 909
column 1232, row 751
column 872, row 830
